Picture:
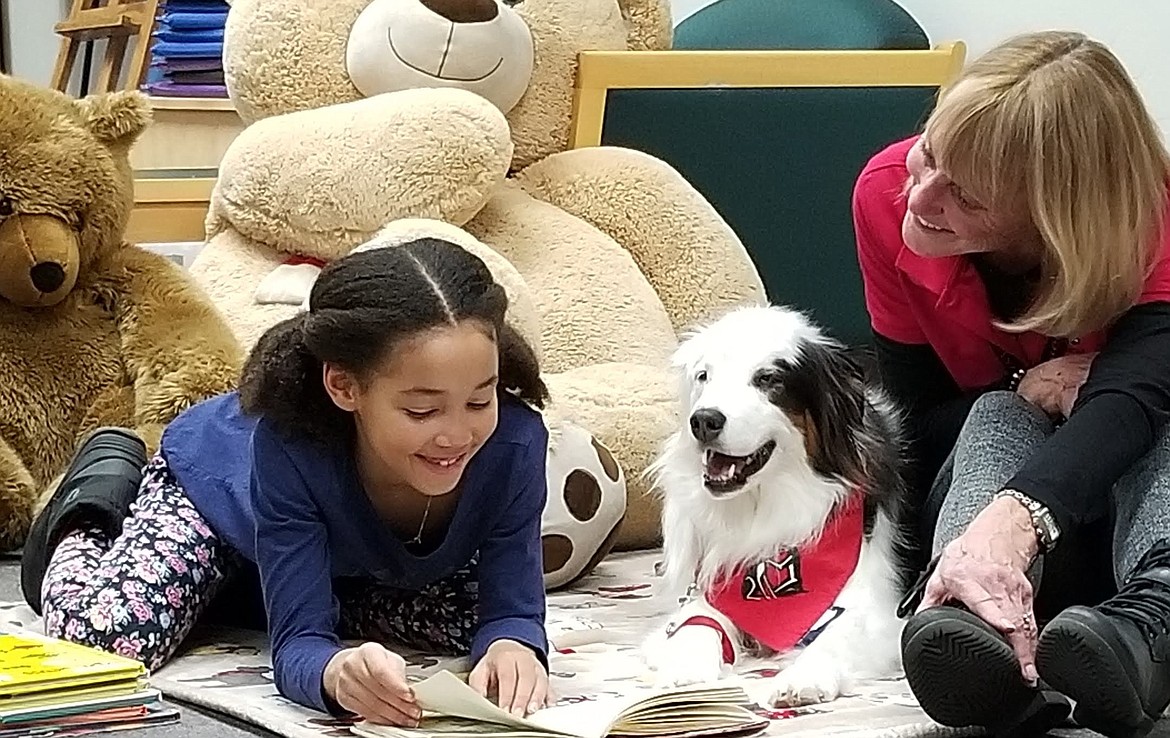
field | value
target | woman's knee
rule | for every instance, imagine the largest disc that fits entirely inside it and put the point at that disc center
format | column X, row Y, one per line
column 1004, row 406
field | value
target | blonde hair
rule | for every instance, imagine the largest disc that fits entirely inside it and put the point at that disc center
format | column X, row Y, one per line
column 1052, row 120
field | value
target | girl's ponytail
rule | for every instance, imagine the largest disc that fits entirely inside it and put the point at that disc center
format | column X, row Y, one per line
column 282, row 380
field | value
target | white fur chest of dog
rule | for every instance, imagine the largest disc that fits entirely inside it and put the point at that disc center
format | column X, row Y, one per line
column 785, row 449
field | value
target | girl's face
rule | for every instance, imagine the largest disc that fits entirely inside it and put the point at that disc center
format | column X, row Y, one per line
column 428, row 409
column 942, row 219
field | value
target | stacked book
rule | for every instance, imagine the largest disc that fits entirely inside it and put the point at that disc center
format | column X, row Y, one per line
column 52, row 687
column 187, row 49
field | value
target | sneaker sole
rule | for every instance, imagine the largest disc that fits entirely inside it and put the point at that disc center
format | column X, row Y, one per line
column 964, row 675
column 1081, row 664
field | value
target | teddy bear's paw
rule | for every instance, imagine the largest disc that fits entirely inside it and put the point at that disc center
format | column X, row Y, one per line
column 287, row 284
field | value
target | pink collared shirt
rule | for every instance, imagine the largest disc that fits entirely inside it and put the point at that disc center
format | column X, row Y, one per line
column 941, row 301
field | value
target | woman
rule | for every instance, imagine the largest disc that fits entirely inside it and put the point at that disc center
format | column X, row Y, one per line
column 1016, row 273
column 381, row 471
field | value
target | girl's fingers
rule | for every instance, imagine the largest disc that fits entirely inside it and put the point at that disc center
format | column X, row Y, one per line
column 506, row 679
column 540, row 692
column 525, row 683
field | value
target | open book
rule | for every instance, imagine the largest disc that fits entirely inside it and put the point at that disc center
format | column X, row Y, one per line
column 451, row 709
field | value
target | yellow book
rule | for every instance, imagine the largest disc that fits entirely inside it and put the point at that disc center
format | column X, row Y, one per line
column 33, row 665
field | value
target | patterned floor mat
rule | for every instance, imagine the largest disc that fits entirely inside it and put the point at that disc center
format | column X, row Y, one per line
column 595, row 629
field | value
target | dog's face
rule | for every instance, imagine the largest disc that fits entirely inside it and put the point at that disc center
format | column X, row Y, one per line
column 763, row 387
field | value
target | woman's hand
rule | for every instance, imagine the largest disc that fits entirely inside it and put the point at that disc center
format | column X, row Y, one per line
column 1054, row 385
column 370, row 681
column 515, row 674
column 986, row 570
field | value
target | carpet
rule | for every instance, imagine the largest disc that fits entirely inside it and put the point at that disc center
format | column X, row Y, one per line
column 595, row 628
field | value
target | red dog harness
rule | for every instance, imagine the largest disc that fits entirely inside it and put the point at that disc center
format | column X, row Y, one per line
column 787, row 601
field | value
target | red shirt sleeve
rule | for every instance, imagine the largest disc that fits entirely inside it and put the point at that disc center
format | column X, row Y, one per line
column 877, row 226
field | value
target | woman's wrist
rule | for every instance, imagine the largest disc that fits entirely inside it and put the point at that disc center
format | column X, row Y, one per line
column 1009, row 516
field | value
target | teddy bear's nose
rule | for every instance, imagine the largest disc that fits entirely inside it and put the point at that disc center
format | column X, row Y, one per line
column 48, row 276
column 464, row 11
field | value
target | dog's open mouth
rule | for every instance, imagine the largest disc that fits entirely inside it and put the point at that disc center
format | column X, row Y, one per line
column 723, row 473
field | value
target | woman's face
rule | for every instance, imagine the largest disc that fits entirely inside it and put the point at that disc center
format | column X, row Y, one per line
column 428, row 409
column 942, row 219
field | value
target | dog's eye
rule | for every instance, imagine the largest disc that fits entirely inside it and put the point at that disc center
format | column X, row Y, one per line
column 769, row 378
column 701, row 376
column 7, row 207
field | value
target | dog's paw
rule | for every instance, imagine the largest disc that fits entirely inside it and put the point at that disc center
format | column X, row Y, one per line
column 806, row 682
column 682, row 671
column 693, row 655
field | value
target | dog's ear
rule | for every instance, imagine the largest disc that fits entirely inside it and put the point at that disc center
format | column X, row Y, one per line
column 824, row 393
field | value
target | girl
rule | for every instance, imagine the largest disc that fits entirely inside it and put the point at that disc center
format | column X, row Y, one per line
column 1016, row 264
column 380, row 470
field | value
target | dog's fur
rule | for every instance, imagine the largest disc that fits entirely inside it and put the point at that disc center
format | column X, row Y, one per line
column 776, row 377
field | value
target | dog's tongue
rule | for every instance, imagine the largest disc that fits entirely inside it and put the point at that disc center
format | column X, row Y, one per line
column 722, row 466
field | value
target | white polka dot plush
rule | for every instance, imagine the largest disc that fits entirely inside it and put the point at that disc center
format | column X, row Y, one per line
column 586, row 505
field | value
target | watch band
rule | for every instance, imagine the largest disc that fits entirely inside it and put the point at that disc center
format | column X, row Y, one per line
column 1043, row 521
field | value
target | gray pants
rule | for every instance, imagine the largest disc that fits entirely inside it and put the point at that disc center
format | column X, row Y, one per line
column 1001, row 433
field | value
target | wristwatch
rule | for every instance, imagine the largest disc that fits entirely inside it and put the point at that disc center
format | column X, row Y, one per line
column 1043, row 521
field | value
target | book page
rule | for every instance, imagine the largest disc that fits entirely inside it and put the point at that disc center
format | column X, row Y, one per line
column 453, row 708
column 446, row 694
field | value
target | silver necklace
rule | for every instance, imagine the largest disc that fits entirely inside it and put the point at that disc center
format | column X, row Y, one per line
column 417, row 540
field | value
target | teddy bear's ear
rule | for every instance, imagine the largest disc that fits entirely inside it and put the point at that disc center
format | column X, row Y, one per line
column 649, row 24
column 115, row 117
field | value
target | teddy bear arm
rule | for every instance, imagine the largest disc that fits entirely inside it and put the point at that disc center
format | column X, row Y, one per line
column 175, row 343
column 316, row 177
column 18, row 496
column 691, row 256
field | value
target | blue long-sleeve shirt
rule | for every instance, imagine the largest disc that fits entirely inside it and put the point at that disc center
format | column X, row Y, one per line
column 298, row 511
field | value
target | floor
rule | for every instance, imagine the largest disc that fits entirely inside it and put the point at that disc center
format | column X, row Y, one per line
column 197, row 723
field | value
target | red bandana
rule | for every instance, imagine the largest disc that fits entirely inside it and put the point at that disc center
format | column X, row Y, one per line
column 779, row 602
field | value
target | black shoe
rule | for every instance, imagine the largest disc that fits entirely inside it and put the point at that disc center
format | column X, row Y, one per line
column 1113, row 660
column 964, row 673
column 96, row 490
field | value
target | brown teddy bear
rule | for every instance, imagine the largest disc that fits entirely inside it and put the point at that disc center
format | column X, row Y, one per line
column 93, row 331
column 364, row 112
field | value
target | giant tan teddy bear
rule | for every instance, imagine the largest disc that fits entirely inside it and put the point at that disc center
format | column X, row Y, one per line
column 365, row 112
column 93, row 331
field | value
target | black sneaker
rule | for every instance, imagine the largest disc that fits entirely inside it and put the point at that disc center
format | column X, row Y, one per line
column 964, row 673
column 1113, row 660
column 96, row 490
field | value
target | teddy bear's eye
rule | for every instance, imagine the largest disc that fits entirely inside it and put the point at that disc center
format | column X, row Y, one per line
column 7, row 207
column 511, row 3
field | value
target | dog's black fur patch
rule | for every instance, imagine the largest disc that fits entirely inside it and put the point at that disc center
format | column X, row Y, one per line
column 860, row 442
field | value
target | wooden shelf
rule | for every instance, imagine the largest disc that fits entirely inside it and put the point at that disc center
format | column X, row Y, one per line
column 214, row 104
column 170, row 205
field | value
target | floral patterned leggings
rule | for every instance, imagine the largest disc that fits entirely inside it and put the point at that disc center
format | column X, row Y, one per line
column 142, row 593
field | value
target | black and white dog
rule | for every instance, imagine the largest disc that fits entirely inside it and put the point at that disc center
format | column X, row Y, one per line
column 783, row 497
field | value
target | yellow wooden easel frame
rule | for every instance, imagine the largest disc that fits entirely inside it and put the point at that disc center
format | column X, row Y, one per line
column 599, row 72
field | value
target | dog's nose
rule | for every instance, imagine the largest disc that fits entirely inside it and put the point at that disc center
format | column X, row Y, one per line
column 707, row 424
column 464, row 11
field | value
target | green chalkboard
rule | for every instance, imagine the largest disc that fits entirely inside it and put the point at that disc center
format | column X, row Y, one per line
column 779, row 165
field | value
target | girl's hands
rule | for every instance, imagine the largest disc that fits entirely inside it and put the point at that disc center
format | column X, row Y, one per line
column 517, row 677
column 985, row 569
column 370, row 681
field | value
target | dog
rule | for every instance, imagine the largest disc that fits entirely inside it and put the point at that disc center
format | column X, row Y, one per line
column 784, row 499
